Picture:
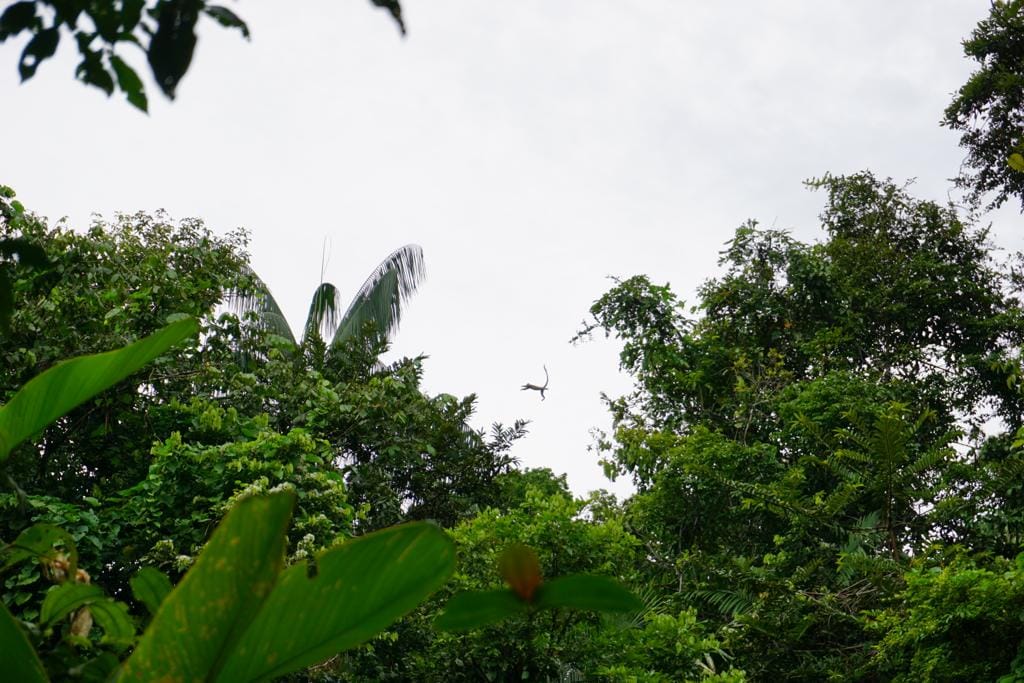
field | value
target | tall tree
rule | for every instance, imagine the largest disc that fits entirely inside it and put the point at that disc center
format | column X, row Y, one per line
column 988, row 110
column 793, row 444
column 106, row 287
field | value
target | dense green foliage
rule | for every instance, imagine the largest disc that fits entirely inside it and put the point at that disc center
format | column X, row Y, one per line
column 987, row 109
column 826, row 449
column 569, row 536
column 235, row 416
column 827, row 419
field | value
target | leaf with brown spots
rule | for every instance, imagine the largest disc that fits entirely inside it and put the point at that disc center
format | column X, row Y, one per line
column 360, row 588
column 198, row 625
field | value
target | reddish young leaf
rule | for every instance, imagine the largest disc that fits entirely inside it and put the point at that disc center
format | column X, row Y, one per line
column 519, row 567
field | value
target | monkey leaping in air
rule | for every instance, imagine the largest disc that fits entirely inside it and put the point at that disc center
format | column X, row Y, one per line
column 537, row 388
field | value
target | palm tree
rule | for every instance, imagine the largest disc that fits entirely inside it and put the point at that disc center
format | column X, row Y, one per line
column 380, row 300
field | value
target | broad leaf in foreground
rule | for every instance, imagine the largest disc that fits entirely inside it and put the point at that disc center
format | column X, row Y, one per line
column 471, row 610
column 359, row 588
column 583, row 591
column 18, row 660
column 198, row 624
column 64, row 386
column 519, row 566
column 150, row 586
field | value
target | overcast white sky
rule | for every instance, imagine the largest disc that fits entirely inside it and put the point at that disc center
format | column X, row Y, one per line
column 533, row 148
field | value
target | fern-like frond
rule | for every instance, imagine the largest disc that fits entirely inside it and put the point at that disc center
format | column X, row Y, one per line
column 731, row 603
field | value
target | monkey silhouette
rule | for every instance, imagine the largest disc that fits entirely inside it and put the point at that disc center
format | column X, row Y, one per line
column 542, row 389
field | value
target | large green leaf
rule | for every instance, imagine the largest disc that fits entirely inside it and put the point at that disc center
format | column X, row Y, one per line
column 18, row 661
column 359, row 588
column 199, row 623
column 476, row 609
column 64, row 386
column 581, row 591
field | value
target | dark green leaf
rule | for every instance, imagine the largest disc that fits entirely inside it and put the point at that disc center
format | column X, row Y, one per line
column 470, row 610
column 381, row 297
column 200, row 622
column 92, row 72
column 67, row 11
column 131, row 13
column 97, row 670
column 582, row 591
column 40, row 540
column 28, row 253
column 64, row 386
column 112, row 616
column 64, row 598
column 18, row 660
column 226, row 17
column 6, row 299
column 106, row 19
column 170, row 49
column 40, row 48
column 359, row 589
column 17, row 18
column 1016, row 162
column 129, row 83
column 150, row 586
column 395, row 9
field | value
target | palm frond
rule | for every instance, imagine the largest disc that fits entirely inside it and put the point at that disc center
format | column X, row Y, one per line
column 324, row 312
column 381, row 297
column 258, row 299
